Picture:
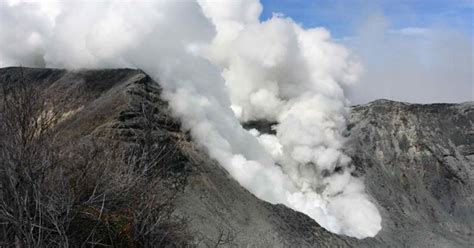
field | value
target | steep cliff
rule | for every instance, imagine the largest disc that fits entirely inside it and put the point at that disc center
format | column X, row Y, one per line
column 418, row 163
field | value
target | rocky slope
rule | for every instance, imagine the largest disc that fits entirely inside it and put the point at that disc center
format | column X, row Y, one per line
column 417, row 161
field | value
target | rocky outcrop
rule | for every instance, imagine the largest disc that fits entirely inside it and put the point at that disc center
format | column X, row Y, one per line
column 418, row 164
column 417, row 161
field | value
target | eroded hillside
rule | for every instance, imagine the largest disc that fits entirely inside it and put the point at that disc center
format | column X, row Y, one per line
column 417, row 161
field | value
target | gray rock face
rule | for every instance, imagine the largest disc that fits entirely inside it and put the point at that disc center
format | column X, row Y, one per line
column 417, row 161
column 418, row 165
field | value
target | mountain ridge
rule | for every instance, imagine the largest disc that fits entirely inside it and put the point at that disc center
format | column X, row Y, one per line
column 110, row 103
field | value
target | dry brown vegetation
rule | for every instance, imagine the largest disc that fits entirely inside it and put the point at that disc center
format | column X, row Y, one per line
column 83, row 193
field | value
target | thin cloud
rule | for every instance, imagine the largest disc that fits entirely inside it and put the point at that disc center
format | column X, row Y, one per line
column 412, row 64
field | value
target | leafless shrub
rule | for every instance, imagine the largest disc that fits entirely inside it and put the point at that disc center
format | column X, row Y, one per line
column 80, row 194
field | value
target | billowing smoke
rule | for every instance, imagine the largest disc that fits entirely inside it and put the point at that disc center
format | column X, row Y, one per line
column 219, row 66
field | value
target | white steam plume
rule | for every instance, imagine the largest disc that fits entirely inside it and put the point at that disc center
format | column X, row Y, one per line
column 220, row 65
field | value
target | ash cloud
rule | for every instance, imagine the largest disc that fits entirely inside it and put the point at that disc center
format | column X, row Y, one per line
column 219, row 66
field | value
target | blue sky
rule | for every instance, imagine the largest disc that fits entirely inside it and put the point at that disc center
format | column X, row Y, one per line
column 411, row 50
column 342, row 17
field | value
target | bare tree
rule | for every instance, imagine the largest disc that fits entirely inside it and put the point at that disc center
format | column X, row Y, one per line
column 26, row 157
column 78, row 194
